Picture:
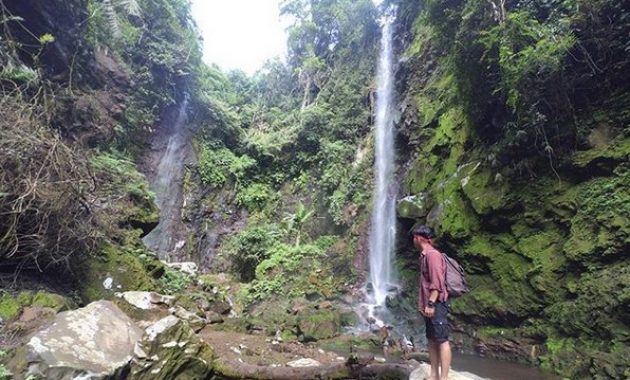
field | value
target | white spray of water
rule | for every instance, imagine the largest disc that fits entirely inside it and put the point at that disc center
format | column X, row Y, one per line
column 382, row 236
column 167, row 186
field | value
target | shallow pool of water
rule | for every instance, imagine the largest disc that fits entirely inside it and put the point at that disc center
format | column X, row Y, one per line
column 498, row 369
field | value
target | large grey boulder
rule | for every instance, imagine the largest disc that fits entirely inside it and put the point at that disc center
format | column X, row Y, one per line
column 94, row 342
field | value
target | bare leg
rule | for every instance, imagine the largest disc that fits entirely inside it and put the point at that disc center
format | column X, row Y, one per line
column 445, row 359
column 434, row 358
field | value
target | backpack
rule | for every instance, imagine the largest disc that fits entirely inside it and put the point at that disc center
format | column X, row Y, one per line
column 455, row 279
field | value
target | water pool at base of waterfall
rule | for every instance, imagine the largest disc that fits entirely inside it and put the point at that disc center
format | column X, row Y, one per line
column 495, row 369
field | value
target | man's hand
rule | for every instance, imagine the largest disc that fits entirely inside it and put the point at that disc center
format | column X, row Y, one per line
column 429, row 311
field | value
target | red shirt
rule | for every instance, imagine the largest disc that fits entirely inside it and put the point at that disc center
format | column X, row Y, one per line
column 432, row 276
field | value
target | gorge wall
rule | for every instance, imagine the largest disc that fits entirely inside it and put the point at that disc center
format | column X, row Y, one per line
column 515, row 148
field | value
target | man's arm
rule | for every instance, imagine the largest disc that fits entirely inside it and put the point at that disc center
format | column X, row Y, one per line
column 429, row 311
column 436, row 279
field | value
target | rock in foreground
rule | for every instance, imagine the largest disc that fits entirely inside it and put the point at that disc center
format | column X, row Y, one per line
column 93, row 342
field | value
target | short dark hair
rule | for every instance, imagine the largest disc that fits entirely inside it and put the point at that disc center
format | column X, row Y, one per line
column 424, row 231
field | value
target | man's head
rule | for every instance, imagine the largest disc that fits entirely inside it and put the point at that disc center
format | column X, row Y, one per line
column 422, row 234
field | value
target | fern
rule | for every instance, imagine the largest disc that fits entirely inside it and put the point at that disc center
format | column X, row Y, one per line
column 132, row 8
column 112, row 19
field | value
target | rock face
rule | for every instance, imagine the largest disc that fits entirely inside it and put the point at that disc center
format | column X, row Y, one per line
column 544, row 244
column 94, row 342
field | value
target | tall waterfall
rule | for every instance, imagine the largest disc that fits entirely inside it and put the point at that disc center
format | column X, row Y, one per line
column 167, row 184
column 382, row 236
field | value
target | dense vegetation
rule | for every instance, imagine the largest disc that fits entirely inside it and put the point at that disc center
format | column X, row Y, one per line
column 513, row 143
column 293, row 129
column 83, row 85
column 518, row 115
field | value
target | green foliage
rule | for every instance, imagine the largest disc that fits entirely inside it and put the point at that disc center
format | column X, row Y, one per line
column 174, row 282
column 131, row 199
column 528, row 52
column 517, row 68
column 216, row 165
column 251, row 246
column 294, row 222
column 290, row 271
column 46, row 38
column 20, row 74
column 159, row 44
column 5, row 374
column 256, row 197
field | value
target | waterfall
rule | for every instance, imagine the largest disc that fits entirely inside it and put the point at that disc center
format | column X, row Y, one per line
column 167, row 184
column 383, row 232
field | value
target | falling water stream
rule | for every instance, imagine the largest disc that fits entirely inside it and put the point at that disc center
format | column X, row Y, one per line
column 383, row 231
column 382, row 280
column 167, row 182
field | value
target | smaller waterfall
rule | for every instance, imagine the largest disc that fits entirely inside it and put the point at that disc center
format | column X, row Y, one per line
column 383, row 233
column 167, row 185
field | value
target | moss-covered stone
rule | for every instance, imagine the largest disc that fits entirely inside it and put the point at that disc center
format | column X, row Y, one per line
column 12, row 304
column 603, row 156
column 319, row 325
column 179, row 351
column 458, row 218
column 51, row 300
column 485, row 190
column 116, row 269
column 9, row 307
column 600, row 226
column 414, row 206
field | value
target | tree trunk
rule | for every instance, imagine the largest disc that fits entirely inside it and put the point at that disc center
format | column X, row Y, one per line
column 238, row 370
column 307, row 92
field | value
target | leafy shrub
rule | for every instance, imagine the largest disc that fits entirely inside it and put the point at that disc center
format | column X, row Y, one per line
column 248, row 248
column 529, row 53
column 256, row 196
column 5, row 374
column 217, row 165
column 174, row 281
column 290, row 271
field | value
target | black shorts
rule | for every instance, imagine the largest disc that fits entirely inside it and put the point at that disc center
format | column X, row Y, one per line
column 437, row 327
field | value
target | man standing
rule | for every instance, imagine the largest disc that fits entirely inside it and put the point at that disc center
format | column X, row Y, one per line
column 432, row 302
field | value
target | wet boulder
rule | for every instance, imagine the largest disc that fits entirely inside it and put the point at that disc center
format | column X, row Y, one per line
column 319, row 325
column 414, row 206
column 94, row 342
column 170, row 349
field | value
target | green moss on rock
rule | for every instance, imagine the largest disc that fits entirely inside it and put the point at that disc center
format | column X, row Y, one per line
column 51, row 300
column 320, row 325
column 414, row 206
column 600, row 226
column 11, row 305
column 486, row 190
column 114, row 270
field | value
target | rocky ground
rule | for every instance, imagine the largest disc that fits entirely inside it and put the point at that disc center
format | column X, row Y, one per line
column 145, row 335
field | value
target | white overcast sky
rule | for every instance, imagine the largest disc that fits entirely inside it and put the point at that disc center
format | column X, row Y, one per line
column 240, row 34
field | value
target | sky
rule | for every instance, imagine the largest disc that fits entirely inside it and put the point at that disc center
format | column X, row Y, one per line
column 240, row 34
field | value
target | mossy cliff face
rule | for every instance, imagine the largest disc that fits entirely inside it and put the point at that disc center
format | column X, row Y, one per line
column 543, row 235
